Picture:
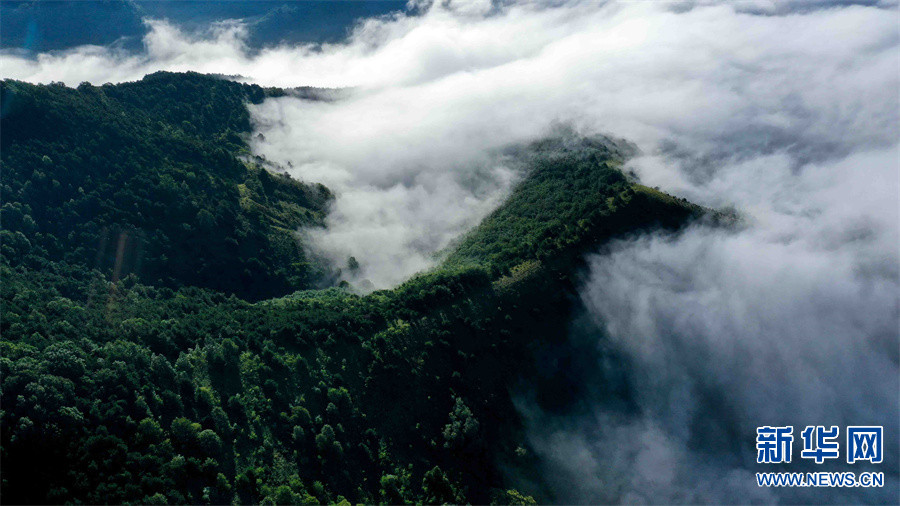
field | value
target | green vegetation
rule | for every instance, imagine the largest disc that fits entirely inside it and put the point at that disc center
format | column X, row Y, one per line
column 575, row 197
column 168, row 385
column 117, row 178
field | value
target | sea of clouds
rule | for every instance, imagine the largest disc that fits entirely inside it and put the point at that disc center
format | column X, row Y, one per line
column 788, row 111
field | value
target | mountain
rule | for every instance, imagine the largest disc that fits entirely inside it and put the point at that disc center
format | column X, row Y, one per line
column 272, row 22
column 150, row 178
column 37, row 26
column 163, row 387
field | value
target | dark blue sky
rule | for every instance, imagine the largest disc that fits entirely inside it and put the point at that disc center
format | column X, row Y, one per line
column 37, row 26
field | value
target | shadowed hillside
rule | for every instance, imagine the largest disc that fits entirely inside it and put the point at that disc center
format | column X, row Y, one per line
column 147, row 178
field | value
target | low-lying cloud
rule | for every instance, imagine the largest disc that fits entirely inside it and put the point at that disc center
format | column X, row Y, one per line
column 788, row 111
column 791, row 321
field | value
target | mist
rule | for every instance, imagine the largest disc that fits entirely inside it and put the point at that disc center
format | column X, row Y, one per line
column 792, row 320
column 787, row 111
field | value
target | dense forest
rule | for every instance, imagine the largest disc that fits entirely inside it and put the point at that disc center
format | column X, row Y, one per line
column 148, row 178
column 166, row 339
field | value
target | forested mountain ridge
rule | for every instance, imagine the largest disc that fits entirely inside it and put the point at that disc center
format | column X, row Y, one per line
column 148, row 178
column 114, row 390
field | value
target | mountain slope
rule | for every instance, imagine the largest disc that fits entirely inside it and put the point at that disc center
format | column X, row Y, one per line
column 145, row 178
column 116, row 391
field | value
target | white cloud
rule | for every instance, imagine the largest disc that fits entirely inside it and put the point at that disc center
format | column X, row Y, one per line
column 792, row 321
column 789, row 111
